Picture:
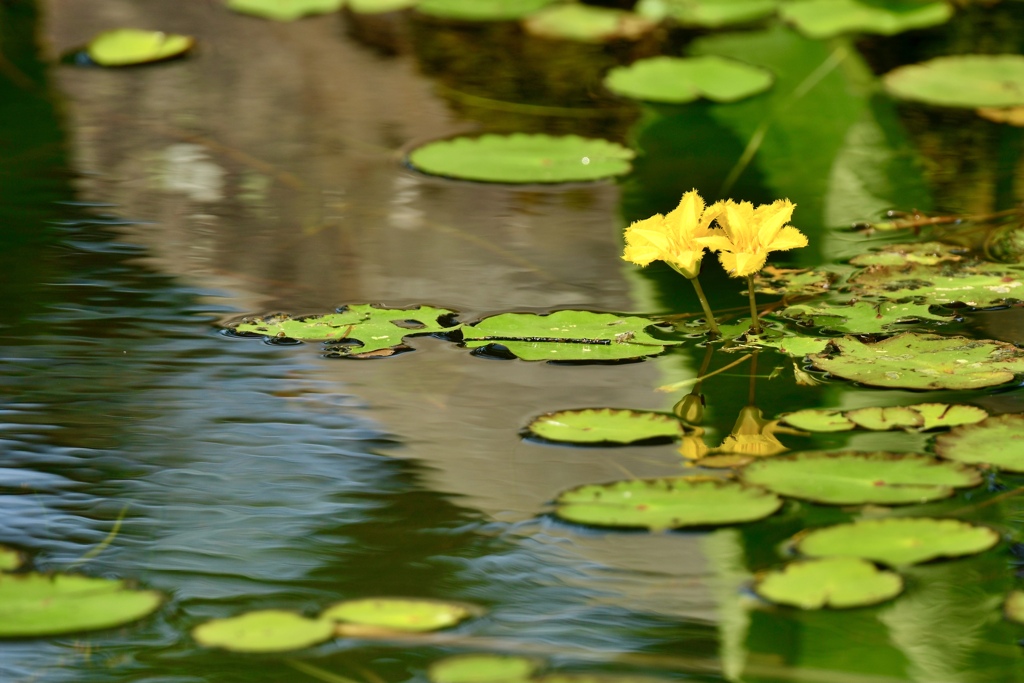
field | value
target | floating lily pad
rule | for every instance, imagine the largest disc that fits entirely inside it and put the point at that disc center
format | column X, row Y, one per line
column 827, row 18
column 268, row 630
column 666, row 503
column 883, row 419
column 837, row 582
column 523, row 158
column 1013, row 116
column 709, row 13
column 798, row 347
column 997, row 441
column 567, row 336
column 378, row 6
column 860, row 478
column 961, row 81
column 862, row 317
column 922, row 361
column 898, row 541
column 938, row 415
column 481, row 10
column 285, row 10
column 793, row 281
column 976, row 284
column 129, row 46
column 1014, row 607
column 605, row 425
column 43, row 605
column 899, row 255
column 678, row 80
column 587, row 24
column 10, row 559
column 818, row 420
column 482, row 668
column 356, row 330
column 400, row 614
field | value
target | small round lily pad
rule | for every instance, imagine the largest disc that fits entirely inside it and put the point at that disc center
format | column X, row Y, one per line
column 879, row 419
column 481, row 10
column 129, row 46
column 997, row 441
column 482, row 668
column 10, row 558
column 818, row 420
column 587, row 24
column 838, row 582
column 400, row 614
column 285, row 10
column 605, row 425
column 898, row 541
column 961, row 81
column 665, row 503
column 269, row 630
column 678, row 80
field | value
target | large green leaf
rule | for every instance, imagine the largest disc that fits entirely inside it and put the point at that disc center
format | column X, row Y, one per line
column 666, row 503
column 922, row 361
column 268, row 630
column 997, row 441
column 482, row 668
column 43, row 605
column 859, row 478
column 862, row 317
column 400, row 614
column 827, row 18
column 677, row 80
column 523, row 158
column 710, row 13
column 587, row 24
column 898, row 541
column 605, row 425
column 481, row 10
column 961, row 81
column 285, row 10
column 836, row 582
column 128, row 46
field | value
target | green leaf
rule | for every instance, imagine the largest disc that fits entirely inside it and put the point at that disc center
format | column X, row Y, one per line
column 860, row 478
column 861, row 317
column 883, row 419
column 605, row 425
column 400, row 614
column 269, row 630
column 43, row 605
column 378, row 6
column 10, row 558
column 482, row 668
column 523, row 158
column 666, row 503
column 587, row 24
column 836, row 582
column 900, row 255
column 961, row 81
column 285, row 10
column 975, row 284
column 798, row 347
column 481, row 10
column 1014, row 607
column 677, row 80
column 129, row 46
column 922, row 361
column 709, row 13
column 898, row 541
column 818, row 420
column 937, row 415
column 997, row 441
column 827, row 18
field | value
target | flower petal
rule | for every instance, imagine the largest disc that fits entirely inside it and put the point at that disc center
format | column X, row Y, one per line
column 771, row 217
column 717, row 242
column 788, row 238
column 748, row 263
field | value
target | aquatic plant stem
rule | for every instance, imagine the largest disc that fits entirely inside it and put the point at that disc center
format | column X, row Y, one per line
column 708, row 315
column 754, row 319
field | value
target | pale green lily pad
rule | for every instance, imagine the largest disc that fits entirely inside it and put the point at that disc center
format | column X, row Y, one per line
column 665, row 503
column 708, row 13
column 860, row 478
column 10, row 559
column 523, row 158
column 567, row 336
column 793, row 281
column 605, row 425
column 481, row 10
column 1014, row 607
column 818, row 420
column 922, row 361
column 129, row 46
column 837, row 582
column 799, row 347
column 587, row 24
column 378, row 6
column 43, row 605
column 482, row 668
column 269, row 630
column 997, row 441
column 679, row 80
column 400, row 614
column 899, row 255
column 878, row 419
column 977, row 284
column 357, row 330
column 285, row 10
column 938, row 415
column 898, row 541
column 969, row 81
column 828, row 18
column 862, row 317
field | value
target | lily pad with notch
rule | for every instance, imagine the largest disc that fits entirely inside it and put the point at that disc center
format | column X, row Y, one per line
column 269, row 630
column 132, row 46
column 407, row 615
column 884, row 419
column 285, row 10
column 483, row 668
column 837, row 582
column 827, row 18
column 996, row 441
column 606, row 426
column 969, row 81
column 678, row 80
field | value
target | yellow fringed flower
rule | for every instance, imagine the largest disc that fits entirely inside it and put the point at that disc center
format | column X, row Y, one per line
column 676, row 238
column 750, row 234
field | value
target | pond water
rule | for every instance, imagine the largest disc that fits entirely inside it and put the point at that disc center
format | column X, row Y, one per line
column 145, row 208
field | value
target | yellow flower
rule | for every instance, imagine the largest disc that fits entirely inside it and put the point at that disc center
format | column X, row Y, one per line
column 675, row 238
column 751, row 233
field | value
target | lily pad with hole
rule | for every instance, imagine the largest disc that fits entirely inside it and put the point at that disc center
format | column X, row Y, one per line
column 483, row 668
column 827, row 18
column 130, row 46
column 605, row 425
column 707, row 13
column 997, row 441
column 269, row 630
column 1013, row 608
column 481, row 10
column 665, row 503
column 898, row 541
column 818, row 420
column 678, row 80
column 922, row 361
column 853, row 478
column 969, row 81
column 285, row 10
column 837, row 582
column 411, row 615
column 43, row 605
column 523, row 158
column 879, row 419
column 10, row 559
column 587, row 24
column 862, row 317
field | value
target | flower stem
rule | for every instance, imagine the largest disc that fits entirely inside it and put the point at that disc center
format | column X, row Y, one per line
column 708, row 315
column 756, row 321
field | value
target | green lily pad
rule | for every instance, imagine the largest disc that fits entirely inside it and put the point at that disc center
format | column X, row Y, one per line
column 129, row 46
column 974, row 284
column 883, row 419
column 666, row 503
column 827, row 18
column 708, row 13
column 793, row 281
column 269, row 630
column 285, row 10
column 899, row 255
column 356, row 330
column 523, row 158
column 378, row 6
column 10, row 559
column 997, row 441
column 938, row 415
column 1014, row 607
column 481, row 10
column 969, row 81
column 898, row 541
column 862, row 317
column 837, row 582
column 567, row 336
column 818, row 420
column 587, row 24
column 677, row 80
column 798, row 347
column 860, row 478
column 482, row 668
column 400, row 614
column 605, row 425
column 43, row 605
column 922, row 361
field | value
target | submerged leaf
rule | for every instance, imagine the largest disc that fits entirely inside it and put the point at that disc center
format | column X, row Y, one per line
column 828, row 18
column 997, row 441
column 482, row 668
column 400, row 614
column 961, row 81
column 678, row 80
column 267, row 630
column 129, row 46
column 836, row 582
column 605, row 425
